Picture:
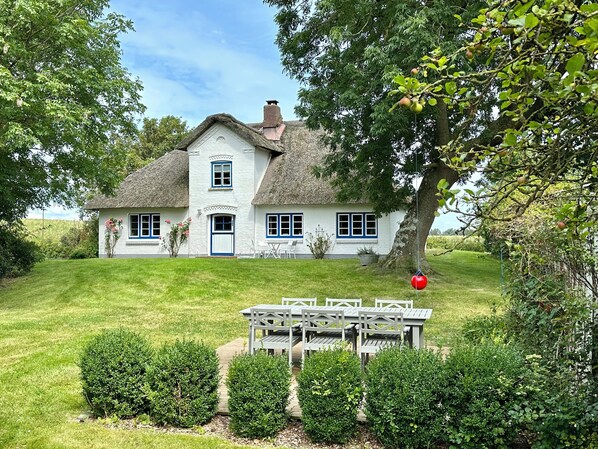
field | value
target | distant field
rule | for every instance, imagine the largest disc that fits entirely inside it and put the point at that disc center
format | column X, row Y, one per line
column 48, row 230
column 449, row 242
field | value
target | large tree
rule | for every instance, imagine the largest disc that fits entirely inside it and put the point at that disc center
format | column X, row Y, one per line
column 344, row 54
column 63, row 92
column 155, row 138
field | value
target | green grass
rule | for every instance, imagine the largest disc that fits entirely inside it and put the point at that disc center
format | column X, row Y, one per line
column 46, row 318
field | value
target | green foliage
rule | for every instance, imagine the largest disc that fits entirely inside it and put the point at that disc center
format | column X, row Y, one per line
column 329, row 392
column 404, row 390
column 450, row 242
column 17, row 255
column 155, row 138
column 176, row 236
column 63, row 91
column 483, row 390
column 542, row 54
column 485, row 328
column 258, row 391
column 60, row 239
column 363, row 250
column 113, row 369
column 555, row 415
column 183, row 384
column 344, row 55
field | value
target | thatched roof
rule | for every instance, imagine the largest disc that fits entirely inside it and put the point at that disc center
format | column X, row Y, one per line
column 289, row 178
column 252, row 136
column 163, row 183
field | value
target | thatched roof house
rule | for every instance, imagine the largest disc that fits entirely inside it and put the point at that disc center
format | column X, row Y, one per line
column 237, row 184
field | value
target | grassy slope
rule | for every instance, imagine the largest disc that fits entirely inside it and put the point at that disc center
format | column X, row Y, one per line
column 46, row 317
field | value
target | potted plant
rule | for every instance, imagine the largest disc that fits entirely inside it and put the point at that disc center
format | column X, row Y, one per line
column 367, row 255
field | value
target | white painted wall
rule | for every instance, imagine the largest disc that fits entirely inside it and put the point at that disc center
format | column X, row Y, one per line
column 248, row 166
column 325, row 217
column 131, row 247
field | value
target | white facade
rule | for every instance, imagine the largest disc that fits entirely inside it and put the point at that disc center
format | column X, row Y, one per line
column 224, row 220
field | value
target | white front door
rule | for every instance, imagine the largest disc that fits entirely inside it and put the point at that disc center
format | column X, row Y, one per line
column 222, row 235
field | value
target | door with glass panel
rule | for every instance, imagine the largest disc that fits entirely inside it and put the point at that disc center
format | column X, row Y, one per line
column 222, row 235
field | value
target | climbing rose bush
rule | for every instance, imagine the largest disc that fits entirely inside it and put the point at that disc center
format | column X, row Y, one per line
column 178, row 234
column 112, row 229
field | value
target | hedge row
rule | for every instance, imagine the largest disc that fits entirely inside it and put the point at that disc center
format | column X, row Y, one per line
column 123, row 377
column 480, row 396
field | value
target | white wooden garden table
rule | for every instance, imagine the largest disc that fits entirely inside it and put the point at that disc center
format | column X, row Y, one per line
column 415, row 318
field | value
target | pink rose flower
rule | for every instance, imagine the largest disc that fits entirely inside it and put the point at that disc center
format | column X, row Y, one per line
column 167, row 221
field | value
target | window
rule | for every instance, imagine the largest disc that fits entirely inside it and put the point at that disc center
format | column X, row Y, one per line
column 222, row 174
column 222, row 223
column 361, row 224
column 284, row 225
column 146, row 226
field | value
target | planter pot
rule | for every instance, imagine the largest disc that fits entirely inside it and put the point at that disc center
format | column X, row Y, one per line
column 368, row 259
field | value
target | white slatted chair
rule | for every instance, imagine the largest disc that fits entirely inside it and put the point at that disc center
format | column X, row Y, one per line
column 290, row 250
column 379, row 330
column 306, row 302
column 323, row 329
column 398, row 303
column 343, row 302
column 276, row 329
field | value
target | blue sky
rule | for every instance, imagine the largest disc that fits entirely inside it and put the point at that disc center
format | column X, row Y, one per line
column 197, row 58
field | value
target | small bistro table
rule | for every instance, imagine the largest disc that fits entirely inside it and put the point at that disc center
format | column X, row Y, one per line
column 415, row 318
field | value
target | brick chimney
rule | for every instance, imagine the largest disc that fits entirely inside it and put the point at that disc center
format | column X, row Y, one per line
column 272, row 115
column 272, row 126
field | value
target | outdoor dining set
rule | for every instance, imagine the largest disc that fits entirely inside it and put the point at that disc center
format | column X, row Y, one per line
column 365, row 330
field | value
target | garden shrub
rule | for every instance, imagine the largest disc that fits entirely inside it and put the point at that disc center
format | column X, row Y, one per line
column 258, row 394
column 485, row 328
column 330, row 390
column 483, row 391
column 404, row 389
column 17, row 255
column 113, row 368
column 183, row 384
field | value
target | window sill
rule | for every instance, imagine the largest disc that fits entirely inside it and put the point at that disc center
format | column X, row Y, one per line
column 356, row 240
column 214, row 189
column 143, row 242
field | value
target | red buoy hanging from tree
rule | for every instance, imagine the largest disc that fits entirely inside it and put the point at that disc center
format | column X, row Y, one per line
column 419, row 280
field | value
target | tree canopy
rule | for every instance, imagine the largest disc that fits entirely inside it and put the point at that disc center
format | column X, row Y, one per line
column 155, row 138
column 539, row 59
column 344, row 55
column 63, row 91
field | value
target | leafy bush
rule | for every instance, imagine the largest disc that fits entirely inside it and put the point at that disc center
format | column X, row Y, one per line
column 113, row 368
column 17, row 255
column 183, row 384
column 483, row 390
column 404, row 389
column 330, row 389
column 485, row 328
column 258, row 394
column 319, row 243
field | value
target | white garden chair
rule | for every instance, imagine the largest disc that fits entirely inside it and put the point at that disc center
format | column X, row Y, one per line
column 290, row 250
column 398, row 303
column 338, row 302
column 323, row 329
column 271, row 329
column 379, row 330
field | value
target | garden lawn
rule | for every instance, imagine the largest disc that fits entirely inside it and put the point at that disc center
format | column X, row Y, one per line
column 48, row 316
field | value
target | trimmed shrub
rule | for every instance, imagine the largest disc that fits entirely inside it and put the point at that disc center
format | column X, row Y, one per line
column 330, row 389
column 113, row 368
column 404, row 389
column 258, row 394
column 183, row 384
column 484, row 383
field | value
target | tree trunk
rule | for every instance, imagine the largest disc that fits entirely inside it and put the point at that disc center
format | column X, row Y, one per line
column 408, row 249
